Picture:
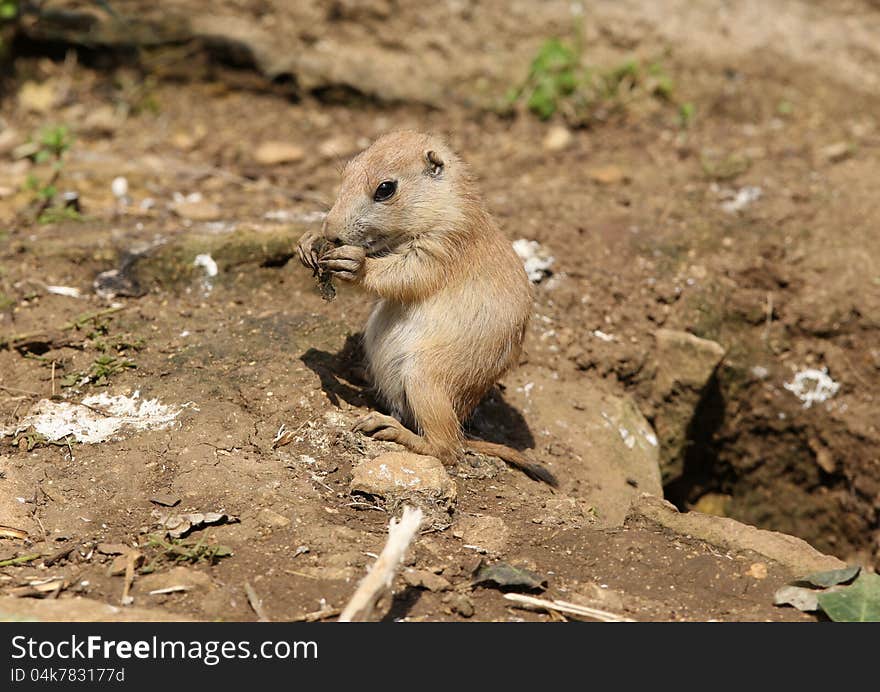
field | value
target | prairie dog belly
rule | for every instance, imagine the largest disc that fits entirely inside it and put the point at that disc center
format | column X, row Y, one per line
column 390, row 340
column 463, row 338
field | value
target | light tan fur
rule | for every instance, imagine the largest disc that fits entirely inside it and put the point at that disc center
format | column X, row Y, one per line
column 453, row 298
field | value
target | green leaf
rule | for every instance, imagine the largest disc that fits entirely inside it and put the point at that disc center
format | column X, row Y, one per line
column 8, row 10
column 686, row 113
column 805, row 600
column 832, row 577
column 542, row 102
column 859, row 602
column 553, row 56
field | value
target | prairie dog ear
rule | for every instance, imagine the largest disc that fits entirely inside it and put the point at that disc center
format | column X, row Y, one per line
column 435, row 164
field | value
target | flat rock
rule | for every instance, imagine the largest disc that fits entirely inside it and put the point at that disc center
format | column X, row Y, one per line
column 103, row 120
column 190, row 579
column 113, row 548
column 198, row 211
column 423, row 579
column 607, row 175
column 37, row 97
column 15, row 514
column 837, row 152
column 275, row 153
column 404, row 475
column 79, row 610
column 9, row 140
column 792, row 553
column 269, row 517
column 490, row 533
column 337, row 147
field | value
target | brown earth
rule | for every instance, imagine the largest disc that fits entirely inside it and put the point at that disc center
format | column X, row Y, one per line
column 632, row 211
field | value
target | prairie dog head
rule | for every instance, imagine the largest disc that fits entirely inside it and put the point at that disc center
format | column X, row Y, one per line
column 406, row 184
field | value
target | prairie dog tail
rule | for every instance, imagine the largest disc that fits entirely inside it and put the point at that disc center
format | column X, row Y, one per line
column 513, row 458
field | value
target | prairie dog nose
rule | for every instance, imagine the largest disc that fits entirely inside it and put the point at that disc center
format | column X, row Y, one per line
column 330, row 234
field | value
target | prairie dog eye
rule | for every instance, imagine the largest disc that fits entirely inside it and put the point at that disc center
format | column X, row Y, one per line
column 385, row 191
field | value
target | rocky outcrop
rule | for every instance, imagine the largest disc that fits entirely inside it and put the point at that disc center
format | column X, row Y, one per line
column 597, row 442
column 794, row 554
column 683, row 367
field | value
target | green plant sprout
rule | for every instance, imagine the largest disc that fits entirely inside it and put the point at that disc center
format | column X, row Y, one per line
column 53, row 144
column 559, row 82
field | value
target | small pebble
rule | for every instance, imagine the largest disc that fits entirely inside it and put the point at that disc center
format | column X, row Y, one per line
column 119, row 186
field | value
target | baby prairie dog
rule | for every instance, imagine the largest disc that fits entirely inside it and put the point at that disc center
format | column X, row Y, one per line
column 454, row 300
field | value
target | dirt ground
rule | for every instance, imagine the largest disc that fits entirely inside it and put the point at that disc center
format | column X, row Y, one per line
column 753, row 225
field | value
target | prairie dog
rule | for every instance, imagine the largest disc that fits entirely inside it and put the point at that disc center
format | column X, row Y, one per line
column 454, row 301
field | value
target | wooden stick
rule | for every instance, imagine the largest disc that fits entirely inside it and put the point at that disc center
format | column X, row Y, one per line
column 566, row 607
column 131, row 562
column 322, row 614
column 377, row 583
column 255, row 602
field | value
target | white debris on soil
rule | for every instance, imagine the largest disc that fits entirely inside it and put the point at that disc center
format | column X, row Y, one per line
column 221, row 226
column 98, row 418
column 628, row 439
column 180, row 198
column 760, row 372
column 602, row 335
column 68, row 291
column 554, row 281
column 207, row 263
column 737, row 200
column 535, row 259
column 812, row 386
column 119, row 187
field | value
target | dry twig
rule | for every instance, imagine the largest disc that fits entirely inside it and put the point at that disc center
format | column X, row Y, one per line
column 255, row 602
column 565, row 607
column 377, row 583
